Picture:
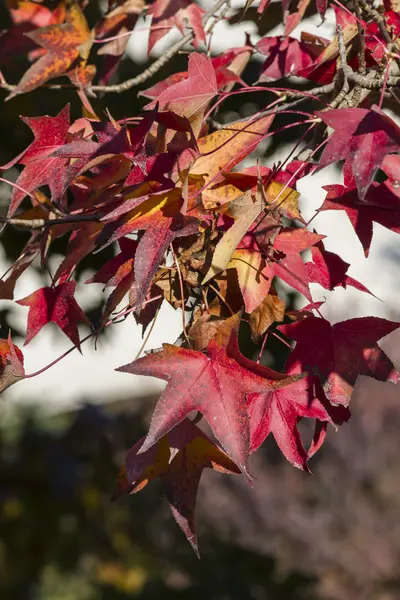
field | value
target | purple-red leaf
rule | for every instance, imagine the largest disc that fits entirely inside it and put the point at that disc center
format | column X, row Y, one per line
column 339, row 353
column 54, row 305
column 215, row 383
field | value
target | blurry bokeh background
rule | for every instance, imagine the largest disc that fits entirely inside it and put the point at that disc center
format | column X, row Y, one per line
column 63, row 435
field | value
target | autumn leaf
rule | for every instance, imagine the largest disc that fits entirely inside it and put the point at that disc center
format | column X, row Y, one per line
column 214, row 383
column 278, row 412
column 363, row 137
column 338, row 353
column 7, row 285
column 381, row 205
column 63, row 44
column 271, row 309
column 40, row 168
column 227, row 245
column 189, row 98
column 178, row 459
column 167, row 14
column 54, row 305
column 285, row 56
column 225, row 148
column 11, row 364
column 160, row 217
column 284, row 257
column 329, row 270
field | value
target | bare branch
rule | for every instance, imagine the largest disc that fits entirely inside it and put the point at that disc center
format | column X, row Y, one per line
column 161, row 61
column 44, row 223
column 362, row 67
column 147, row 73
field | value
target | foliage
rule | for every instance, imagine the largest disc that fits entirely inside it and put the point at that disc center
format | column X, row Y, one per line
column 198, row 229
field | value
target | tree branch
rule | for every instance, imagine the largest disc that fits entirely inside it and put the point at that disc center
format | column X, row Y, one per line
column 43, row 223
column 147, row 73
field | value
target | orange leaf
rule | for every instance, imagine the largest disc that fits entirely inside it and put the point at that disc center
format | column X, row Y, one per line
column 271, row 309
column 64, row 44
column 223, row 149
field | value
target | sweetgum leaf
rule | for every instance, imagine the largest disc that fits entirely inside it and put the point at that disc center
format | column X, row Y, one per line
column 278, row 412
column 224, row 149
column 286, row 262
column 271, row 309
column 178, row 459
column 160, row 217
column 329, row 270
column 215, row 383
column 230, row 240
column 11, row 364
column 63, row 44
column 189, row 98
column 381, row 205
column 175, row 13
column 40, row 168
column 285, row 57
column 363, row 137
column 338, row 353
column 54, row 305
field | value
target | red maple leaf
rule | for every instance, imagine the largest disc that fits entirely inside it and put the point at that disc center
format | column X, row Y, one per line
column 11, row 364
column 63, row 43
column 339, row 353
column 178, row 459
column 175, row 13
column 190, row 97
column 362, row 136
column 41, row 168
column 381, row 205
column 329, row 270
column 279, row 411
column 286, row 56
column 160, row 217
column 286, row 261
column 54, row 305
column 215, row 383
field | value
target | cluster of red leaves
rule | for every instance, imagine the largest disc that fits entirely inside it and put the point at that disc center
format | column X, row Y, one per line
column 163, row 185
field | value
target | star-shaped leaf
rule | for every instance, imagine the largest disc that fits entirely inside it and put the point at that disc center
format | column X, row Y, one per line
column 339, row 353
column 329, row 270
column 178, row 459
column 160, row 217
column 381, row 205
column 215, row 383
column 41, row 168
column 11, row 364
column 362, row 136
column 189, row 98
column 278, row 412
column 63, row 43
column 54, row 305
column 167, row 14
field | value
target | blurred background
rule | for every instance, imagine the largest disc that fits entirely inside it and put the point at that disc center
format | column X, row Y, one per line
column 63, row 435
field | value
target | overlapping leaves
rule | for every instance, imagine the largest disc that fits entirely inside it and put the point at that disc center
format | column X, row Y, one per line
column 203, row 232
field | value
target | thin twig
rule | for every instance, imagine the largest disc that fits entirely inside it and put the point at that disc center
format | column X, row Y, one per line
column 144, row 75
column 112, row 321
column 178, row 269
column 148, row 334
column 302, row 97
column 160, row 62
column 220, row 296
column 262, row 347
column 362, row 65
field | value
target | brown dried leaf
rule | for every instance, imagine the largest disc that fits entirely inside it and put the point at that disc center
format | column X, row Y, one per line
column 271, row 309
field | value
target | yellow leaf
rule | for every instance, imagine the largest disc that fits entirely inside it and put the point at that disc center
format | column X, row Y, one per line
column 225, row 148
